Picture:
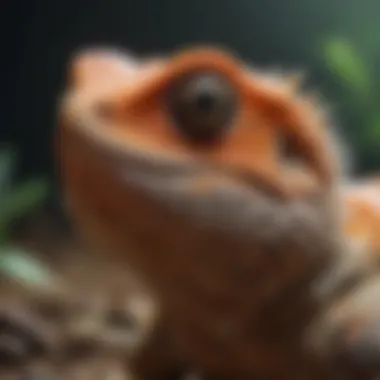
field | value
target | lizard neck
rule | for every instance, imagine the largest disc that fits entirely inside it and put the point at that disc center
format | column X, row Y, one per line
column 234, row 269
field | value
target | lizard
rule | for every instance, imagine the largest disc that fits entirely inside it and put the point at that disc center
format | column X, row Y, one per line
column 219, row 186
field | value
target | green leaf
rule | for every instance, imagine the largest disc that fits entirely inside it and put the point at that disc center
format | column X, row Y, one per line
column 23, row 199
column 345, row 62
column 19, row 265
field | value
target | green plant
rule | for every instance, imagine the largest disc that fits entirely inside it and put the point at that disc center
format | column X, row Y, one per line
column 345, row 62
column 353, row 71
column 17, row 201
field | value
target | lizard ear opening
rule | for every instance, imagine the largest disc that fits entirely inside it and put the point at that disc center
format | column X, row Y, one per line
column 307, row 137
column 286, row 150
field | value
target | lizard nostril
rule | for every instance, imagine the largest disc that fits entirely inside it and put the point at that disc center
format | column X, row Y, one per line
column 202, row 106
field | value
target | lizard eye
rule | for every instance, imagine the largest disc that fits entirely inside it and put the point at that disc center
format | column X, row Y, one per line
column 202, row 106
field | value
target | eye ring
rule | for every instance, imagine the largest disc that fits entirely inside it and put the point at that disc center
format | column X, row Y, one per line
column 202, row 106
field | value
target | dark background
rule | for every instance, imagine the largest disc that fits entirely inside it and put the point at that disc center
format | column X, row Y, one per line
column 42, row 35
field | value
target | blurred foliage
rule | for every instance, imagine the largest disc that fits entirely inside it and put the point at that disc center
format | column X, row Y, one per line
column 352, row 68
column 345, row 62
column 17, row 201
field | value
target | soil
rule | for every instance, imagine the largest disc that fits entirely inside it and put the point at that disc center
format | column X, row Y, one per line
column 84, row 327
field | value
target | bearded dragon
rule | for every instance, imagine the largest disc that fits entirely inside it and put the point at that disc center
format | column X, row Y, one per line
column 219, row 186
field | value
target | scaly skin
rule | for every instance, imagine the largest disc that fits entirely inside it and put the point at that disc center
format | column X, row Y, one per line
column 239, row 245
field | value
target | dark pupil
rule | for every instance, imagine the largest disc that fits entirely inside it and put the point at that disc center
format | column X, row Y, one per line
column 206, row 102
column 202, row 106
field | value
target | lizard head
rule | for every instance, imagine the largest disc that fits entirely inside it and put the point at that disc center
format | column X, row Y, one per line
column 202, row 107
column 161, row 149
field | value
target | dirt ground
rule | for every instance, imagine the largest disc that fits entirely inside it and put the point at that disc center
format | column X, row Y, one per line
column 86, row 327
